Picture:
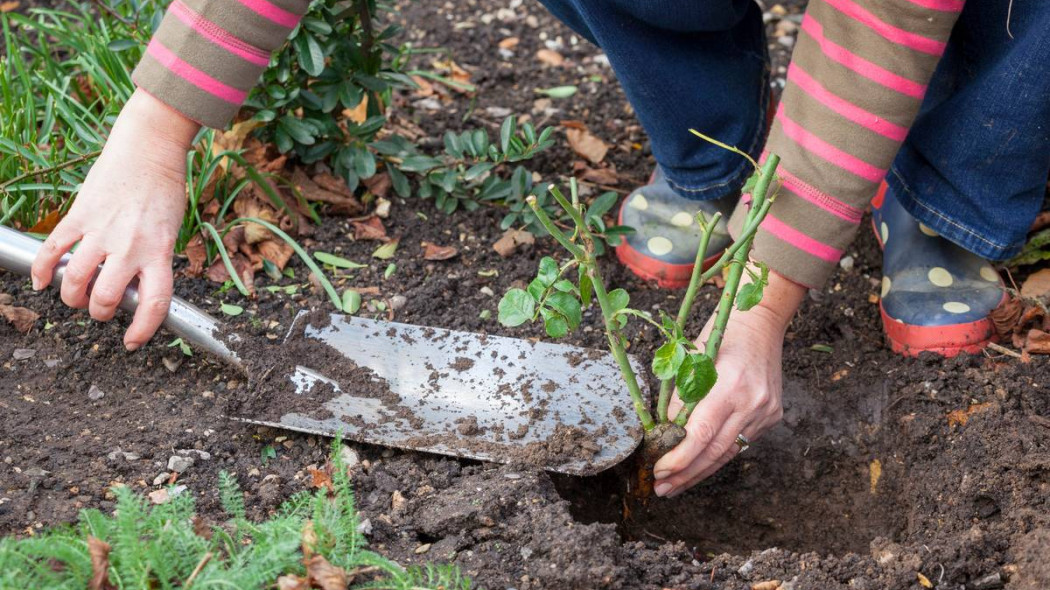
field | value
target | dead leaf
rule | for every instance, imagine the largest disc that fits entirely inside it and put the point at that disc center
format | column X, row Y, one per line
column 202, row 529
column 455, row 72
column 21, row 318
column 321, row 479
column 370, row 229
column 325, row 188
column 425, row 88
column 573, row 124
column 99, row 552
column 359, row 113
column 378, row 184
column 1005, row 317
column 10, row 6
column 47, row 224
column 1037, row 342
column 587, row 145
column 291, row 582
column 309, row 538
column 196, row 255
column 511, row 240
column 767, row 585
column 509, row 43
column 550, row 57
column 328, row 182
column 961, row 417
column 435, row 252
column 325, row 575
column 278, row 252
column 874, row 473
column 838, row 376
column 1037, row 285
column 604, row 176
column 217, row 272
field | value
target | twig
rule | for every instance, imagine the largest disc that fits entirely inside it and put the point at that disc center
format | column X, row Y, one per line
column 1003, row 350
column 197, row 570
column 55, row 168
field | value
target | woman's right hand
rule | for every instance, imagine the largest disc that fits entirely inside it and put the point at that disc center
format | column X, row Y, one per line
column 126, row 218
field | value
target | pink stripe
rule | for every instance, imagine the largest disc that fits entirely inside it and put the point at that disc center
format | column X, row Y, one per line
column 861, row 66
column 826, row 151
column 271, row 12
column 218, row 35
column 843, row 107
column 942, row 5
column 194, row 76
column 800, row 240
column 825, row 201
column 886, row 30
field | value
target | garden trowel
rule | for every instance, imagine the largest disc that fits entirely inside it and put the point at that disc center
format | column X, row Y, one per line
column 467, row 395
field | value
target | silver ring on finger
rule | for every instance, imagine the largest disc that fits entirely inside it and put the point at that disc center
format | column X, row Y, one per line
column 742, row 442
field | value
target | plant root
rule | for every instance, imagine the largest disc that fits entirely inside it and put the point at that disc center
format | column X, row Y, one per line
column 656, row 443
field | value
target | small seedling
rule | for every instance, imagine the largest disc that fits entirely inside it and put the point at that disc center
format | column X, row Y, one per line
column 231, row 309
column 183, row 346
column 268, row 452
column 679, row 363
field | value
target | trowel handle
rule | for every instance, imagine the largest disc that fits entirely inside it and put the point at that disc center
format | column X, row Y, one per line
column 17, row 251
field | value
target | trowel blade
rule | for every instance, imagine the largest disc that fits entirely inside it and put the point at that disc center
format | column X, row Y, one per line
column 519, row 391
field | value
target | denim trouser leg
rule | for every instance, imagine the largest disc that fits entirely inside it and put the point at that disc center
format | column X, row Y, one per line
column 975, row 164
column 683, row 65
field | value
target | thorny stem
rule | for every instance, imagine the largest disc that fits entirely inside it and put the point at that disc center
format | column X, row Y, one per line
column 707, row 229
column 586, row 260
column 759, row 207
column 49, row 169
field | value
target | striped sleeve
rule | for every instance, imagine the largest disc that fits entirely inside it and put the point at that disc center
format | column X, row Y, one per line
column 208, row 54
column 854, row 87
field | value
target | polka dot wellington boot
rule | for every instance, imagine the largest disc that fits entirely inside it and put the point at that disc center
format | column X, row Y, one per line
column 663, row 246
column 936, row 296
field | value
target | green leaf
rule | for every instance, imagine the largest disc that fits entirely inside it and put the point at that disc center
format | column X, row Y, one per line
column 485, row 314
column 337, row 261
column 311, row 57
column 119, row 45
column 568, row 306
column 696, row 376
column 271, row 269
column 516, row 307
column 399, row 182
column 506, row 132
column 386, row 251
column 477, row 170
column 668, row 359
column 389, row 272
column 231, row 309
column 822, row 348
column 548, row 272
column 558, row 91
column 751, row 294
column 351, row 301
column 618, row 299
column 418, row 163
column 536, row 288
column 602, row 204
column 555, row 323
column 586, row 287
column 563, row 285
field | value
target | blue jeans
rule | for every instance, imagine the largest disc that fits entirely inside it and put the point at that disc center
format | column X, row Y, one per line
column 973, row 168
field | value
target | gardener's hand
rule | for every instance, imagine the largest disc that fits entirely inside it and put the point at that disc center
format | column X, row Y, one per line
column 746, row 398
column 126, row 217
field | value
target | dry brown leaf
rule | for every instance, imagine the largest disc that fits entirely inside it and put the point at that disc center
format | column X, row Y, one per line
column 320, row 478
column 1037, row 342
column 278, row 252
column 329, row 182
column 378, row 184
column 196, row 255
column 511, row 240
column 509, row 43
column 573, row 124
column 1006, row 316
column 202, row 529
column 839, row 375
column 21, row 318
column 308, row 538
column 961, row 417
column 217, row 272
column 604, row 176
column 325, row 575
column 874, row 473
column 99, row 552
column 327, row 189
column 47, row 224
column 587, row 145
column 550, row 57
column 435, row 252
column 1037, row 285
column 425, row 88
column 359, row 113
column 370, row 229
column 454, row 71
column 9, row 6
column 291, row 582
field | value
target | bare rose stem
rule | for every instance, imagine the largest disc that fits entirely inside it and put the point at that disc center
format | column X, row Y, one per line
column 585, row 256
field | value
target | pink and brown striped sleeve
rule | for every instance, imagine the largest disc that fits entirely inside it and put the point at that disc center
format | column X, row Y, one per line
column 854, row 87
column 208, row 54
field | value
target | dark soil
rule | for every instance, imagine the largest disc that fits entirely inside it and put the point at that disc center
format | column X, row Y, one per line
column 870, row 481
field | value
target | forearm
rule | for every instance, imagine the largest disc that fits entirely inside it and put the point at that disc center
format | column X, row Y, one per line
column 856, row 82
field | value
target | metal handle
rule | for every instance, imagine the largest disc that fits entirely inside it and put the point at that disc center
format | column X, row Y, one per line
column 17, row 251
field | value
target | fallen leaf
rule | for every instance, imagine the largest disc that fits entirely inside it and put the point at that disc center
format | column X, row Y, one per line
column 290, row 582
column 196, row 254
column 359, row 113
column 319, row 478
column 308, row 538
column 370, row 229
column 378, row 184
column 1037, row 285
column 874, row 473
column 587, row 145
column 572, row 124
column 425, row 88
column 217, row 272
column 1006, row 316
column 1037, row 342
column 550, row 57
column 924, row 581
column 9, row 6
column 839, row 375
column 767, row 585
column 511, row 240
column 604, row 176
column 47, row 224
column 325, row 575
column 509, row 43
column 278, row 252
column 21, row 318
column 435, row 252
column 325, row 188
column 99, row 552
column 960, row 417
column 455, row 72
column 386, row 251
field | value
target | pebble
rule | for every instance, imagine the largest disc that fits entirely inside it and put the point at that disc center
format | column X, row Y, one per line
column 526, row 553
column 52, row 363
column 253, row 472
column 160, row 479
column 512, row 475
column 118, row 453
column 746, row 569
column 397, row 501
column 172, row 364
column 94, row 393
column 349, row 457
column 423, row 548
column 164, row 495
column 846, row 263
column 365, row 526
column 179, row 463
column 21, row 354
column 204, row 455
column 397, row 302
column 487, row 291
column 785, row 27
column 989, row 582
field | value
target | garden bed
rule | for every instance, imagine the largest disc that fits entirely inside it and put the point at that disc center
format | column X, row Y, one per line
column 885, row 473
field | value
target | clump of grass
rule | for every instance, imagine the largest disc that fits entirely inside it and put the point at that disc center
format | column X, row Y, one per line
column 312, row 540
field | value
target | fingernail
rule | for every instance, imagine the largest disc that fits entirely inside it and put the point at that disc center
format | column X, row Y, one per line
column 36, row 284
column 662, row 489
column 132, row 346
column 661, row 474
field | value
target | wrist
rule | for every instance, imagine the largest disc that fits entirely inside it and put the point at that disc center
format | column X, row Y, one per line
column 781, row 299
column 159, row 121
